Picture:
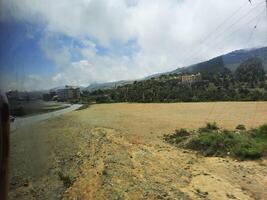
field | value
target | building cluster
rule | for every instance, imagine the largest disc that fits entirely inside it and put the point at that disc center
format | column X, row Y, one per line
column 67, row 93
column 191, row 78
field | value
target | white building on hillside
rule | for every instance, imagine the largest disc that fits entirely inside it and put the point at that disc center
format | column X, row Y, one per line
column 69, row 93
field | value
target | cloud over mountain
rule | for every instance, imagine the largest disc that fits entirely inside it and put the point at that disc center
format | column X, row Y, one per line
column 97, row 40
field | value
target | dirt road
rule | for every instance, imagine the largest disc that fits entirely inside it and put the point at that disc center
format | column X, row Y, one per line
column 116, row 151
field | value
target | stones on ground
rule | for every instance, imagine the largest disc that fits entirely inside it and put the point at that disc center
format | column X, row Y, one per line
column 230, row 196
column 200, row 193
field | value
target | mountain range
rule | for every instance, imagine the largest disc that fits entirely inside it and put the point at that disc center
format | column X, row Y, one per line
column 218, row 64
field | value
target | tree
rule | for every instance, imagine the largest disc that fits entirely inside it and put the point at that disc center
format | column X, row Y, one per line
column 250, row 71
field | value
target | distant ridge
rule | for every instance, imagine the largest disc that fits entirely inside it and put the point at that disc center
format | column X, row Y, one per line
column 229, row 61
column 108, row 85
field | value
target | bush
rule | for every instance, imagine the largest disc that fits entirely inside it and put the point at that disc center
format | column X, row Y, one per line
column 260, row 133
column 250, row 144
column 252, row 151
column 212, row 126
column 182, row 132
column 213, row 143
column 177, row 137
column 263, row 129
column 209, row 127
column 240, row 127
column 241, row 146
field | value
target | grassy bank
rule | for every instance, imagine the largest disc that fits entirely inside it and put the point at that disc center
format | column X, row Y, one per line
column 21, row 109
column 212, row 141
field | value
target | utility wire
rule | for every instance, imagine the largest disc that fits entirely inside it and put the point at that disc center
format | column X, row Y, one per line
column 266, row 24
column 210, row 36
column 246, row 15
column 253, row 30
column 219, row 42
column 220, row 25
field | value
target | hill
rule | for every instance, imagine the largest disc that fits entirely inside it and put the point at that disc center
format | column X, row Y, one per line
column 215, row 83
column 228, row 61
column 108, row 85
column 220, row 64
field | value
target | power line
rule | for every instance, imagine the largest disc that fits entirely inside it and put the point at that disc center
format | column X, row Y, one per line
column 218, row 41
column 265, row 42
column 217, row 35
column 221, row 24
column 247, row 22
column 253, row 30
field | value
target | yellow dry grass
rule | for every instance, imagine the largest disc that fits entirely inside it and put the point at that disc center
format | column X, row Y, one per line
column 115, row 151
column 144, row 162
column 162, row 118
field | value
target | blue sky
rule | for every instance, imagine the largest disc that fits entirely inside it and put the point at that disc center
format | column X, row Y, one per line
column 20, row 51
column 49, row 43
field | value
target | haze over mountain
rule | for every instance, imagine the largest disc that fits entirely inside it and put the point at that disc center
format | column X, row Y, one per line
column 230, row 61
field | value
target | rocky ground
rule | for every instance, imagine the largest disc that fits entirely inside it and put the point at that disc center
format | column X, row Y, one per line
column 79, row 157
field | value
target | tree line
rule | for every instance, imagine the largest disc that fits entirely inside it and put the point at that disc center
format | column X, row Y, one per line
column 246, row 83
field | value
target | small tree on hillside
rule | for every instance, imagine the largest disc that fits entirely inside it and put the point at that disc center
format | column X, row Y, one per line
column 250, row 71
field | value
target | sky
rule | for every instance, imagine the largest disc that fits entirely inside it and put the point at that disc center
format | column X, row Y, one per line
column 45, row 44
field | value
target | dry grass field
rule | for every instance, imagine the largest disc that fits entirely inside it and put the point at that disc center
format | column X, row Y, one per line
column 161, row 118
column 116, row 151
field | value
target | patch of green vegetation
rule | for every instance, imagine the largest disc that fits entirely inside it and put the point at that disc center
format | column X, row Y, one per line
column 209, row 127
column 218, row 83
column 262, row 131
column 211, row 141
column 177, row 136
column 240, row 127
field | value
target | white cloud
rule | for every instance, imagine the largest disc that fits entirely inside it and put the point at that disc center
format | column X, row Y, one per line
column 90, row 49
column 99, row 69
column 169, row 33
column 61, row 56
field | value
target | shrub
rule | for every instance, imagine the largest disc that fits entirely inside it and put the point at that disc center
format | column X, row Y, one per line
column 219, row 144
column 177, row 137
column 240, row 127
column 260, row 133
column 250, row 144
column 212, row 126
column 248, row 147
column 182, row 132
column 263, row 129
column 209, row 127
column 213, row 143
column 252, row 151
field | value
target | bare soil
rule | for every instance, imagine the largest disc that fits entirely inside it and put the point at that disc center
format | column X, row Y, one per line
column 116, row 151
